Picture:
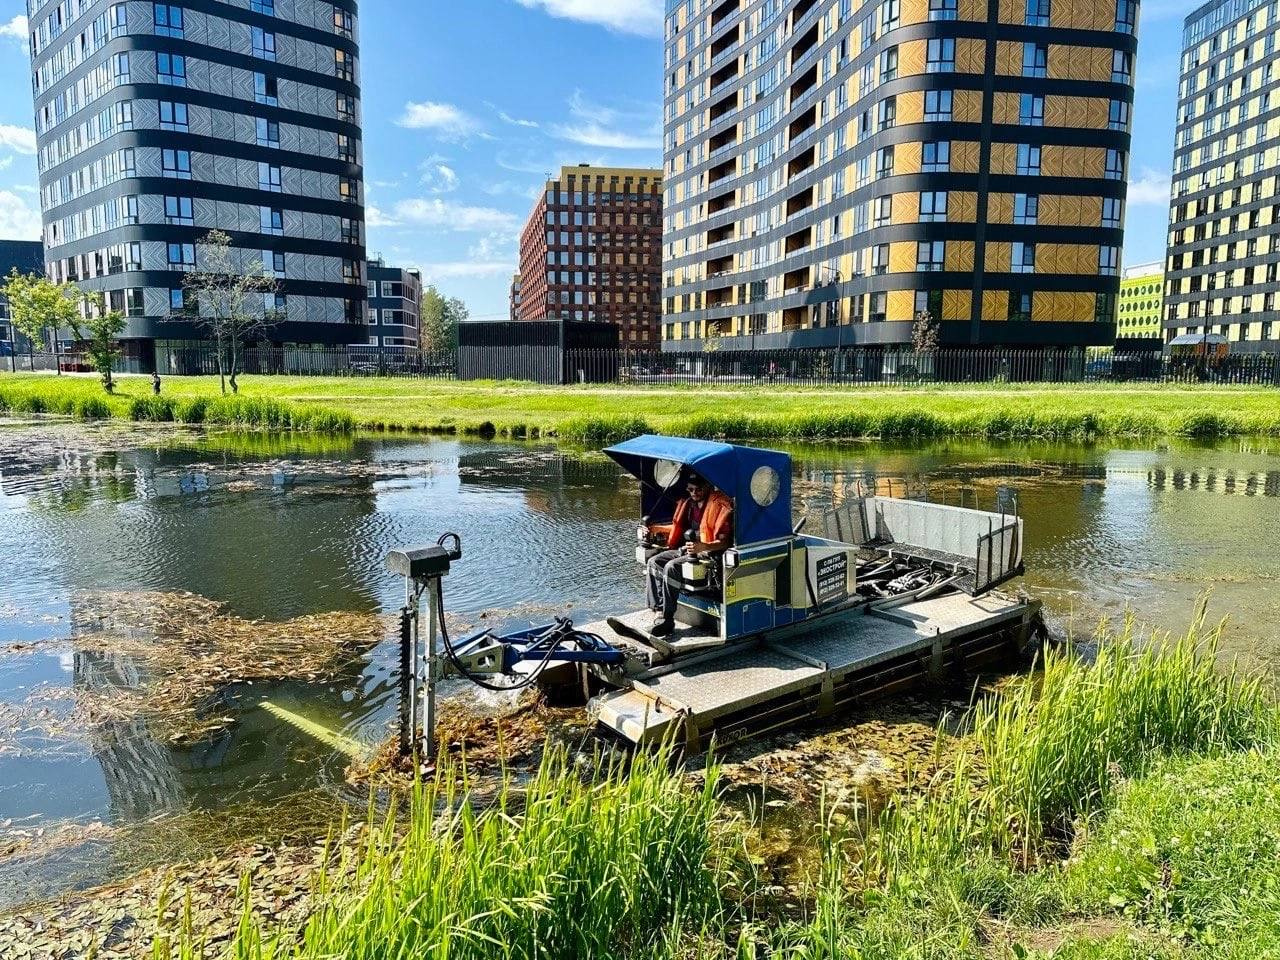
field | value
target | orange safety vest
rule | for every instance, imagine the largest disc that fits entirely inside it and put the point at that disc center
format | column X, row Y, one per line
column 717, row 521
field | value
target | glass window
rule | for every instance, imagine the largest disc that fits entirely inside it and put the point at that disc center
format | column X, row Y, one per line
column 1031, row 110
column 177, row 300
column 937, row 104
column 343, row 23
column 176, row 163
column 1035, row 60
column 1020, row 306
column 1111, row 212
column 930, row 255
column 269, row 177
column 263, row 6
column 171, row 68
column 264, row 43
column 179, row 210
column 182, row 256
column 266, row 90
column 1118, row 115
column 1026, row 208
column 933, row 206
column 1127, row 16
column 1028, row 160
column 1024, row 258
column 942, row 9
column 168, row 20
column 268, row 132
column 936, row 156
column 1037, row 13
column 940, row 55
column 272, row 220
column 173, row 116
column 1115, row 165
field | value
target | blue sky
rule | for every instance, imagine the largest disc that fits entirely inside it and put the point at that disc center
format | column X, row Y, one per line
column 470, row 104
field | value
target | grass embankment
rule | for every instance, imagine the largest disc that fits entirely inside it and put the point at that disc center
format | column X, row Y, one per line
column 1072, row 412
column 1123, row 809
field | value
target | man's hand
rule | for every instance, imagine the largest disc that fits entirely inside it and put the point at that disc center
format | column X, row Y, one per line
column 696, row 547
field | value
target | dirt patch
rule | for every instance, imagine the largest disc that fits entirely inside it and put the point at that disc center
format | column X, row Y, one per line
column 1003, row 940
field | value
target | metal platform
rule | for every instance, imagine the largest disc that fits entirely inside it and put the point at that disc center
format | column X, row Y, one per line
column 750, row 687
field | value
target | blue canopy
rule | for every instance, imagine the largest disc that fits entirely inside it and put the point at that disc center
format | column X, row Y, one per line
column 758, row 481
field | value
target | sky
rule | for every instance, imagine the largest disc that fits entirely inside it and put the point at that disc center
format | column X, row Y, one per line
column 470, row 107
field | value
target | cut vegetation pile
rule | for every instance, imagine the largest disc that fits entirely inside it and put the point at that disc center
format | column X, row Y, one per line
column 1124, row 808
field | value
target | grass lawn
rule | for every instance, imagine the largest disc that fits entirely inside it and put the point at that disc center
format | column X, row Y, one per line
column 591, row 413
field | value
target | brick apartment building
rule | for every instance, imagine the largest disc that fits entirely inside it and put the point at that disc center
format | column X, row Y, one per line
column 592, row 251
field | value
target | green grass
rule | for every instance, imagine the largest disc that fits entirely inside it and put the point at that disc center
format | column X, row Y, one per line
column 1122, row 808
column 1071, row 412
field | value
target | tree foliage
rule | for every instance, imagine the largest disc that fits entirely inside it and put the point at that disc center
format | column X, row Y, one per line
column 99, row 331
column 924, row 333
column 440, row 319
column 225, row 297
column 38, row 305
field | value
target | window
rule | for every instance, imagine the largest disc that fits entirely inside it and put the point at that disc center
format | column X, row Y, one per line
column 881, row 211
column 1115, row 165
column 884, row 162
column 344, row 67
column 350, row 230
column 879, row 305
column 269, row 177
column 1031, row 110
column 349, row 189
column 1026, row 208
column 937, row 105
column 171, row 68
column 264, row 43
column 1035, row 60
column 1126, row 15
column 343, row 23
column 120, row 68
column 936, row 156
column 1019, row 307
column 1118, row 115
column 933, row 206
column 182, row 256
column 930, row 302
column 889, row 65
column 272, row 219
column 1037, row 13
column 346, row 106
column 942, row 9
column 168, row 20
column 880, row 260
column 1121, row 66
column 940, row 55
column 173, row 116
column 1024, row 258
column 177, row 300
column 268, row 132
column 274, row 303
column 1108, row 260
column 1104, row 308
column 176, row 163
column 266, row 90
column 886, row 113
column 346, row 148
column 930, row 255
column 118, row 19
column 263, row 6
column 1028, row 160
column 178, row 210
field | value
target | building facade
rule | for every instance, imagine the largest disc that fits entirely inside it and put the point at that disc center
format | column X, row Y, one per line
column 592, row 251
column 1221, row 272
column 1141, row 305
column 834, row 168
column 515, row 298
column 395, row 306
column 25, row 256
column 157, row 123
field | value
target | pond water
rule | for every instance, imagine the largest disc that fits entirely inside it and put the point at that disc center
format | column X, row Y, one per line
column 112, row 537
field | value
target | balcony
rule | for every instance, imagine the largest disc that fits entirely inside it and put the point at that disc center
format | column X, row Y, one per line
column 728, row 45
column 722, row 171
column 804, row 47
column 798, row 241
column 800, row 202
column 804, row 124
column 723, row 141
column 720, row 235
column 723, row 13
column 723, row 77
column 723, row 108
column 800, row 163
column 720, row 297
column 801, row 13
column 804, row 86
column 721, row 203
column 720, row 266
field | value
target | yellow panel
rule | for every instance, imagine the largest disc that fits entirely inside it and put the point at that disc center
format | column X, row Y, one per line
column 906, row 208
column 1008, row 58
column 1004, row 158
column 959, row 256
column 901, row 305
column 1044, row 306
column 971, row 55
column 967, row 106
column 962, row 206
column 902, row 257
column 911, row 107
column 957, row 304
column 1011, row 11
column 995, row 304
column 1000, row 208
column 906, row 158
column 999, row 256
column 964, row 157
column 1005, row 108
column 914, row 11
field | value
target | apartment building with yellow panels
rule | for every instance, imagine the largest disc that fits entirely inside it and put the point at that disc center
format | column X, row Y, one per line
column 1221, row 271
column 833, row 168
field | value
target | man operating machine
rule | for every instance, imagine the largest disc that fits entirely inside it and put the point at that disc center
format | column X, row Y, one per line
column 702, row 526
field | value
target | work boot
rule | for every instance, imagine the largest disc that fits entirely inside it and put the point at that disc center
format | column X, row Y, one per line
column 663, row 628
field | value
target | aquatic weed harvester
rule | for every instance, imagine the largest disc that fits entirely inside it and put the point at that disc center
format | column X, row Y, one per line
column 794, row 619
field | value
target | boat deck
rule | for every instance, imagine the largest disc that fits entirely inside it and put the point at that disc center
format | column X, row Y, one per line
column 749, row 687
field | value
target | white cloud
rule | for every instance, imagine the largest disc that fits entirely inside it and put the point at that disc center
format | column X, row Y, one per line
column 438, row 176
column 21, row 139
column 374, row 217
column 444, row 119
column 627, row 16
column 597, row 125
column 1149, row 188
column 460, row 218
column 516, row 121
column 16, row 29
column 18, row 219
column 492, row 247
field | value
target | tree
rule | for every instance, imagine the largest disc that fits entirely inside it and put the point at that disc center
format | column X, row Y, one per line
column 924, row 333
column 37, row 305
column 99, row 331
column 227, row 299
column 440, row 319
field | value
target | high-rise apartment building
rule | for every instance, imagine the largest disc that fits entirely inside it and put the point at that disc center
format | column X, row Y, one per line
column 25, row 256
column 159, row 122
column 514, row 296
column 1140, row 309
column 833, row 168
column 395, row 306
column 592, row 250
column 1221, row 273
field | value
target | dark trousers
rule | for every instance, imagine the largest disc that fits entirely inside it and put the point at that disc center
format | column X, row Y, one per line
column 665, row 582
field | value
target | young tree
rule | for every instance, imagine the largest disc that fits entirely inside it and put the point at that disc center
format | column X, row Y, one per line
column 924, row 333
column 98, row 331
column 226, row 298
column 37, row 305
column 440, row 319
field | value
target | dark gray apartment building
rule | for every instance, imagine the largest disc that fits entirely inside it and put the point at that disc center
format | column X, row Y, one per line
column 1224, row 249
column 395, row 306
column 25, row 256
column 159, row 122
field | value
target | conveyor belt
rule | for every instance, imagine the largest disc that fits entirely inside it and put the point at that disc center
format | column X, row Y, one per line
column 803, row 670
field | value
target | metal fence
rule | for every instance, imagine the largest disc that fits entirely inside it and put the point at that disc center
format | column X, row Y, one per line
column 851, row 367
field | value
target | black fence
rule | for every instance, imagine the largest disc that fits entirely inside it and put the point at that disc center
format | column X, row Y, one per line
column 850, row 367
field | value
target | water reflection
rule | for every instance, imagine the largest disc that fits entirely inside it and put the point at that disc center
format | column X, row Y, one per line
column 278, row 528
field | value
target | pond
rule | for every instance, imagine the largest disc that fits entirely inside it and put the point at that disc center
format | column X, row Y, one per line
column 121, row 546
